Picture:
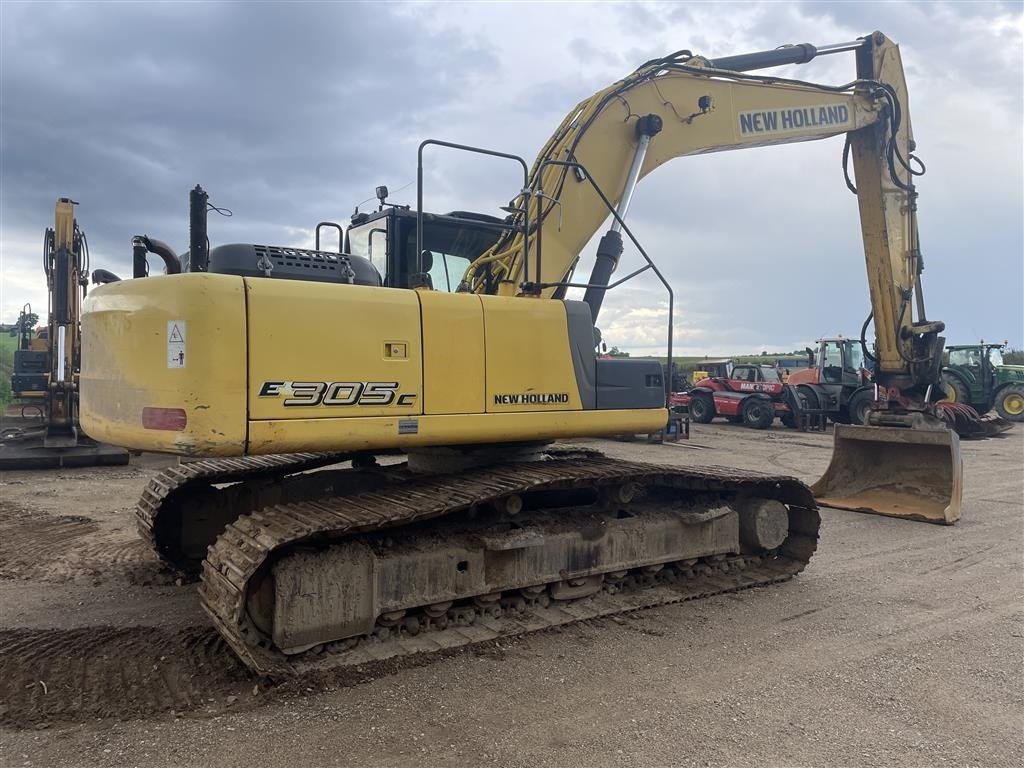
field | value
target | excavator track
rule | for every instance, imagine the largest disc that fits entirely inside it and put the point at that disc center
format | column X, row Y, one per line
column 256, row 543
column 159, row 510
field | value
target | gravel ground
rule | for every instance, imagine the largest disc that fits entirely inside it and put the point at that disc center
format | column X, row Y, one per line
column 900, row 644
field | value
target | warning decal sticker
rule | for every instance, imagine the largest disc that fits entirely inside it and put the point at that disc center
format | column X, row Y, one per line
column 175, row 343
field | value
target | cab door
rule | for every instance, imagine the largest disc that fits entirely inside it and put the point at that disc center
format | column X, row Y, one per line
column 853, row 364
column 831, row 362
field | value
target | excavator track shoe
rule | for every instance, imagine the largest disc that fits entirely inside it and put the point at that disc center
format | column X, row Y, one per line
column 184, row 508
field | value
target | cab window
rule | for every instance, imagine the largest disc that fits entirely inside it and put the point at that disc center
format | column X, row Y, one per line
column 446, row 271
column 448, row 250
column 995, row 356
column 742, row 373
column 856, row 361
column 967, row 357
column 370, row 240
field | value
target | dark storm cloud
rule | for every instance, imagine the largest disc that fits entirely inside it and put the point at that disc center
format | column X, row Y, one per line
column 766, row 243
column 287, row 113
column 290, row 114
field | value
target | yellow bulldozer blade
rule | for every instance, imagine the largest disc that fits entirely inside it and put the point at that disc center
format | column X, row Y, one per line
column 916, row 474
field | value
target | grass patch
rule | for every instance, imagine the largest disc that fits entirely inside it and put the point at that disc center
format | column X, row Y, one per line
column 7, row 346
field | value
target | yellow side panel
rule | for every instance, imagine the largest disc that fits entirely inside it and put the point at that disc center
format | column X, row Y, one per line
column 529, row 362
column 315, row 349
column 453, row 352
column 130, row 361
column 391, row 432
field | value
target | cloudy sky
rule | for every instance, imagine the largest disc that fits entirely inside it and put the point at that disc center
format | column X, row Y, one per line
column 290, row 114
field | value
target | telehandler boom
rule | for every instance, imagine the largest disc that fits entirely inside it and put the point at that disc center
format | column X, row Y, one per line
column 485, row 530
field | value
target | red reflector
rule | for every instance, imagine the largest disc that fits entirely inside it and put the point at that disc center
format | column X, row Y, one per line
column 173, row 419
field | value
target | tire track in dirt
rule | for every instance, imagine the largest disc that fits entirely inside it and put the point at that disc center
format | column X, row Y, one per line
column 775, row 460
column 49, row 675
column 29, row 542
column 61, row 548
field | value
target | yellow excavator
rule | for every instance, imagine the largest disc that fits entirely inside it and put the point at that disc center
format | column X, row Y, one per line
column 438, row 357
column 46, row 368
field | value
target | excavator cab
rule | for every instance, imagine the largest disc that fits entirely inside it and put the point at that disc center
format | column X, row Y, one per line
column 387, row 239
column 379, row 250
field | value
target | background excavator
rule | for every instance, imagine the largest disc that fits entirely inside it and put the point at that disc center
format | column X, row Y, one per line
column 449, row 339
column 46, row 369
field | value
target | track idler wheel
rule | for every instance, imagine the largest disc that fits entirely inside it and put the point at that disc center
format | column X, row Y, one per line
column 764, row 524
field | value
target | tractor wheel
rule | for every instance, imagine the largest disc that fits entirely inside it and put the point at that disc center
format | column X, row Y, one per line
column 860, row 406
column 956, row 390
column 758, row 412
column 702, row 408
column 808, row 397
column 1010, row 402
column 842, row 416
column 788, row 420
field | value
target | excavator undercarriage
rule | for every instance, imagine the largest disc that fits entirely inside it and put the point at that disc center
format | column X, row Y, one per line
column 382, row 562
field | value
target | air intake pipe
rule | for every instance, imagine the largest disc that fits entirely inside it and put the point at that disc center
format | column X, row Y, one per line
column 198, row 243
column 142, row 245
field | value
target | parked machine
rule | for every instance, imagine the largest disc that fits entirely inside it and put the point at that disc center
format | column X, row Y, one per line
column 486, row 530
column 753, row 395
column 46, row 369
column 29, row 372
column 976, row 375
column 839, row 385
column 836, row 381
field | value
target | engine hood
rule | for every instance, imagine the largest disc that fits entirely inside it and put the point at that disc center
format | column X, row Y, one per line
column 1011, row 371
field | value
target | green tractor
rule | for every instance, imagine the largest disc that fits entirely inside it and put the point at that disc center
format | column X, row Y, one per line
column 976, row 375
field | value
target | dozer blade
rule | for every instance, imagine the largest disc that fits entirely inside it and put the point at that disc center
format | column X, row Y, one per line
column 916, row 474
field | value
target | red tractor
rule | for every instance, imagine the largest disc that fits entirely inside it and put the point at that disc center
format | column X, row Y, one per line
column 749, row 394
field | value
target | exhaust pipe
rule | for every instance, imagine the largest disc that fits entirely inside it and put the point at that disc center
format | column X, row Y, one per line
column 916, row 474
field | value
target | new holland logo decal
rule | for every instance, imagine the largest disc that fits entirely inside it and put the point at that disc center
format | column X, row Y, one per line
column 532, row 398
column 774, row 121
